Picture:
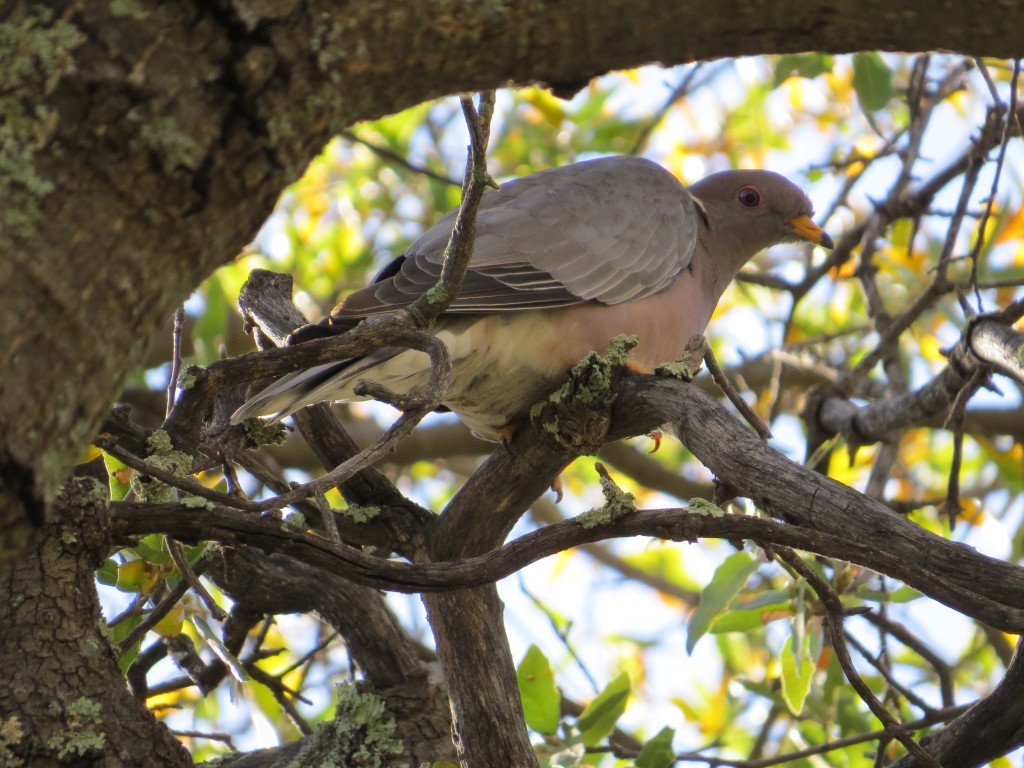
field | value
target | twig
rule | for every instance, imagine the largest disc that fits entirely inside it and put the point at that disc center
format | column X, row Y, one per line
column 955, row 422
column 162, row 609
column 989, row 82
column 420, row 405
column 677, row 93
column 396, row 331
column 307, row 657
column 741, row 405
column 278, row 690
column 979, row 238
column 225, row 737
column 193, row 581
column 396, row 159
column 327, row 517
column 561, row 633
column 172, row 383
column 889, row 336
column 698, row 756
column 885, row 671
column 132, row 610
column 188, row 484
column 544, row 511
column 836, row 613
column 905, row 636
column 234, row 487
column 459, row 251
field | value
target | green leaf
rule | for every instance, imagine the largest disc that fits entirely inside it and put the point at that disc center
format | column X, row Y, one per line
column 117, row 470
column 107, row 573
column 213, row 642
column 747, row 620
column 134, row 576
column 872, row 80
column 542, row 703
column 119, row 632
column 727, row 581
column 151, row 549
column 657, row 753
column 600, row 716
column 769, row 599
column 797, row 670
column 901, row 595
column 808, row 65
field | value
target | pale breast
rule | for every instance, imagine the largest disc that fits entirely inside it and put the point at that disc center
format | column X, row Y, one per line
column 506, row 363
column 502, row 364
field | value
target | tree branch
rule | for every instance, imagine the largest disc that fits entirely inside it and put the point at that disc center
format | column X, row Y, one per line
column 986, row 345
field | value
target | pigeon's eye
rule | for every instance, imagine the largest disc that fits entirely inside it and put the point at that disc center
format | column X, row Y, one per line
column 749, row 197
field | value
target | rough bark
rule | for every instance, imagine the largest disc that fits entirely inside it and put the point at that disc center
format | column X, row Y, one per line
column 64, row 699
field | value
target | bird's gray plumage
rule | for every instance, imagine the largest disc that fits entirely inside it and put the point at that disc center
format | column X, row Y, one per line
column 554, row 239
column 563, row 260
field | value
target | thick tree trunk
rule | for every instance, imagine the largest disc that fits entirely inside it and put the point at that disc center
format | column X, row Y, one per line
column 64, row 699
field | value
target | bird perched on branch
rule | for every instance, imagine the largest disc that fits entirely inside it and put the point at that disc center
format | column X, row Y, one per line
column 564, row 260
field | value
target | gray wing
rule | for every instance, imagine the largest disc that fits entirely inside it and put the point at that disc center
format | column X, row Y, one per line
column 609, row 230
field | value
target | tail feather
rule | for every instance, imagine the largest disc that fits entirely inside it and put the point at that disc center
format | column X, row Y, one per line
column 320, row 383
column 287, row 394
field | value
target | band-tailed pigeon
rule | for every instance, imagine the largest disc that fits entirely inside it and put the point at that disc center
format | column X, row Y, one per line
column 563, row 261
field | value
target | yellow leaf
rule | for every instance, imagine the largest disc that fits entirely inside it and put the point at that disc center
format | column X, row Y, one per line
column 689, row 711
column 136, row 576
column 960, row 100
column 971, row 512
column 558, row 563
column 547, row 105
column 89, row 453
column 867, row 144
column 796, row 89
column 930, row 349
column 844, row 270
column 1014, row 230
column 170, row 625
column 715, row 715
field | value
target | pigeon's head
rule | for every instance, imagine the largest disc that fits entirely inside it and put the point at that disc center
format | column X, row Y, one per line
column 748, row 211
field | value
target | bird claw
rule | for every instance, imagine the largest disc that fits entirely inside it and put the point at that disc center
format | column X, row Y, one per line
column 657, row 437
column 556, row 486
column 506, row 433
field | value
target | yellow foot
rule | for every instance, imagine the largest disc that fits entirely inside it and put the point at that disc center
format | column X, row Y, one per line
column 505, row 433
column 637, row 368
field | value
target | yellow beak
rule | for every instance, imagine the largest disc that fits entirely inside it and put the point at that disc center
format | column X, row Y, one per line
column 807, row 230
